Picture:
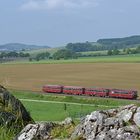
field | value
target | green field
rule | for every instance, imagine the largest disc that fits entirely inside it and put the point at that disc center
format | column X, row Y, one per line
column 135, row 58
column 37, row 51
column 54, row 111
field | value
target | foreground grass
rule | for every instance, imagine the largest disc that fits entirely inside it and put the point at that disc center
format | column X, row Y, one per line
column 6, row 133
column 44, row 111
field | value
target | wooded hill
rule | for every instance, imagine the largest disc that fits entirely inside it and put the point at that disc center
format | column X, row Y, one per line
column 105, row 44
column 19, row 47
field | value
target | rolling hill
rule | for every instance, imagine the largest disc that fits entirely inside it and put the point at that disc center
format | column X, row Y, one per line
column 19, row 47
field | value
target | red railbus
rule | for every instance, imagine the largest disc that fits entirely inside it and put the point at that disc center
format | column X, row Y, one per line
column 73, row 90
column 101, row 92
column 126, row 94
column 53, row 88
column 90, row 91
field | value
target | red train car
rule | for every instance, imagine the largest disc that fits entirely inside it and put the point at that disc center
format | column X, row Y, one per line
column 90, row 91
column 52, row 88
column 101, row 92
column 73, row 90
column 126, row 94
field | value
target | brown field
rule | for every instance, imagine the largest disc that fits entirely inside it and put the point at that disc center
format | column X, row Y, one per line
column 33, row 76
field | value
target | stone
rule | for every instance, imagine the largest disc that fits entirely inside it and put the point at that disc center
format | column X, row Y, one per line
column 113, row 124
column 7, row 118
column 39, row 131
column 138, row 109
column 125, row 115
column 12, row 110
column 137, row 119
column 67, row 121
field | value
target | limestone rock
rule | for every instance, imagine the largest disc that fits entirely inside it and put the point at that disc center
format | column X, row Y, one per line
column 137, row 119
column 12, row 109
column 125, row 115
column 36, row 132
column 67, row 121
column 113, row 124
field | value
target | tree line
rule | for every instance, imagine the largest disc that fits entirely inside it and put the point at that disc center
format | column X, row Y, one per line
column 13, row 54
column 105, row 44
column 60, row 54
column 68, row 54
column 125, row 51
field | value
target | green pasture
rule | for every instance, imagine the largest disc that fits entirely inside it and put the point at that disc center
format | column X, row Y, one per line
column 135, row 58
column 41, row 111
column 44, row 111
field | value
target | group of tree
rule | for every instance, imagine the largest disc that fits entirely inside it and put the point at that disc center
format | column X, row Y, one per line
column 125, row 51
column 64, row 54
column 40, row 56
column 105, row 44
column 113, row 52
column 132, row 51
column 60, row 54
column 81, row 47
column 13, row 54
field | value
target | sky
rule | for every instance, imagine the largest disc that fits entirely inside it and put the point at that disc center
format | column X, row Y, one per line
column 58, row 22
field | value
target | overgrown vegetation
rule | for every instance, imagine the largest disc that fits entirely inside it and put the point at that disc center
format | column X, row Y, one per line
column 7, row 133
column 62, row 132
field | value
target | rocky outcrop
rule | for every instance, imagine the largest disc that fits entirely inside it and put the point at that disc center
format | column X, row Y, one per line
column 12, row 111
column 114, row 124
column 42, row 131
column 39, row 131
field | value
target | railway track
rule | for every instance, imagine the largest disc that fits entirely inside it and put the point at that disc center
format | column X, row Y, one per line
column 77, row 96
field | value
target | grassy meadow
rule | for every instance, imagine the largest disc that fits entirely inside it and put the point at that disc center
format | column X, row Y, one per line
column 59, row 107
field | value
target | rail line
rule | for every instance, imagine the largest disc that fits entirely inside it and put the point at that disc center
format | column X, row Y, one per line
column 77, row 96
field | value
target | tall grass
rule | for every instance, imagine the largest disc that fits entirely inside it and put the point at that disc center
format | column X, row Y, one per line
column 7, row 133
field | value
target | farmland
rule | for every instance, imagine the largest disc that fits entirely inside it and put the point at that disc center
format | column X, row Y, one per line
column 132, row 58
column 22, row 78
column 33, row 76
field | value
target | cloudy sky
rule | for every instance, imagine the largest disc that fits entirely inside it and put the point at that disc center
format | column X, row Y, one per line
column 58, row 22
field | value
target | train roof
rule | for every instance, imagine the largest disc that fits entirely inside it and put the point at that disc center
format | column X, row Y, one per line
column 72, row 87
column 52, row 86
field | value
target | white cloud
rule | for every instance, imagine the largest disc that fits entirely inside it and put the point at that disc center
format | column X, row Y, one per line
column 53, row 4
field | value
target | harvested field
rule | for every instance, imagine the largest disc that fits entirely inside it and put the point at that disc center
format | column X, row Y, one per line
column 33, row 76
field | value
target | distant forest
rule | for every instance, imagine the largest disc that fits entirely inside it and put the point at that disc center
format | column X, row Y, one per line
column 105, row 44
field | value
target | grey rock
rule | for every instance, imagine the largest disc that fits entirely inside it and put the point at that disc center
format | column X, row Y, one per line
column 125, row 115
column 138, row 109
column 12, row 110
column 7, row 118
column 67, row 121
column 110, row 124
column 137, row 119
column 36, row 131
column 112, row 112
